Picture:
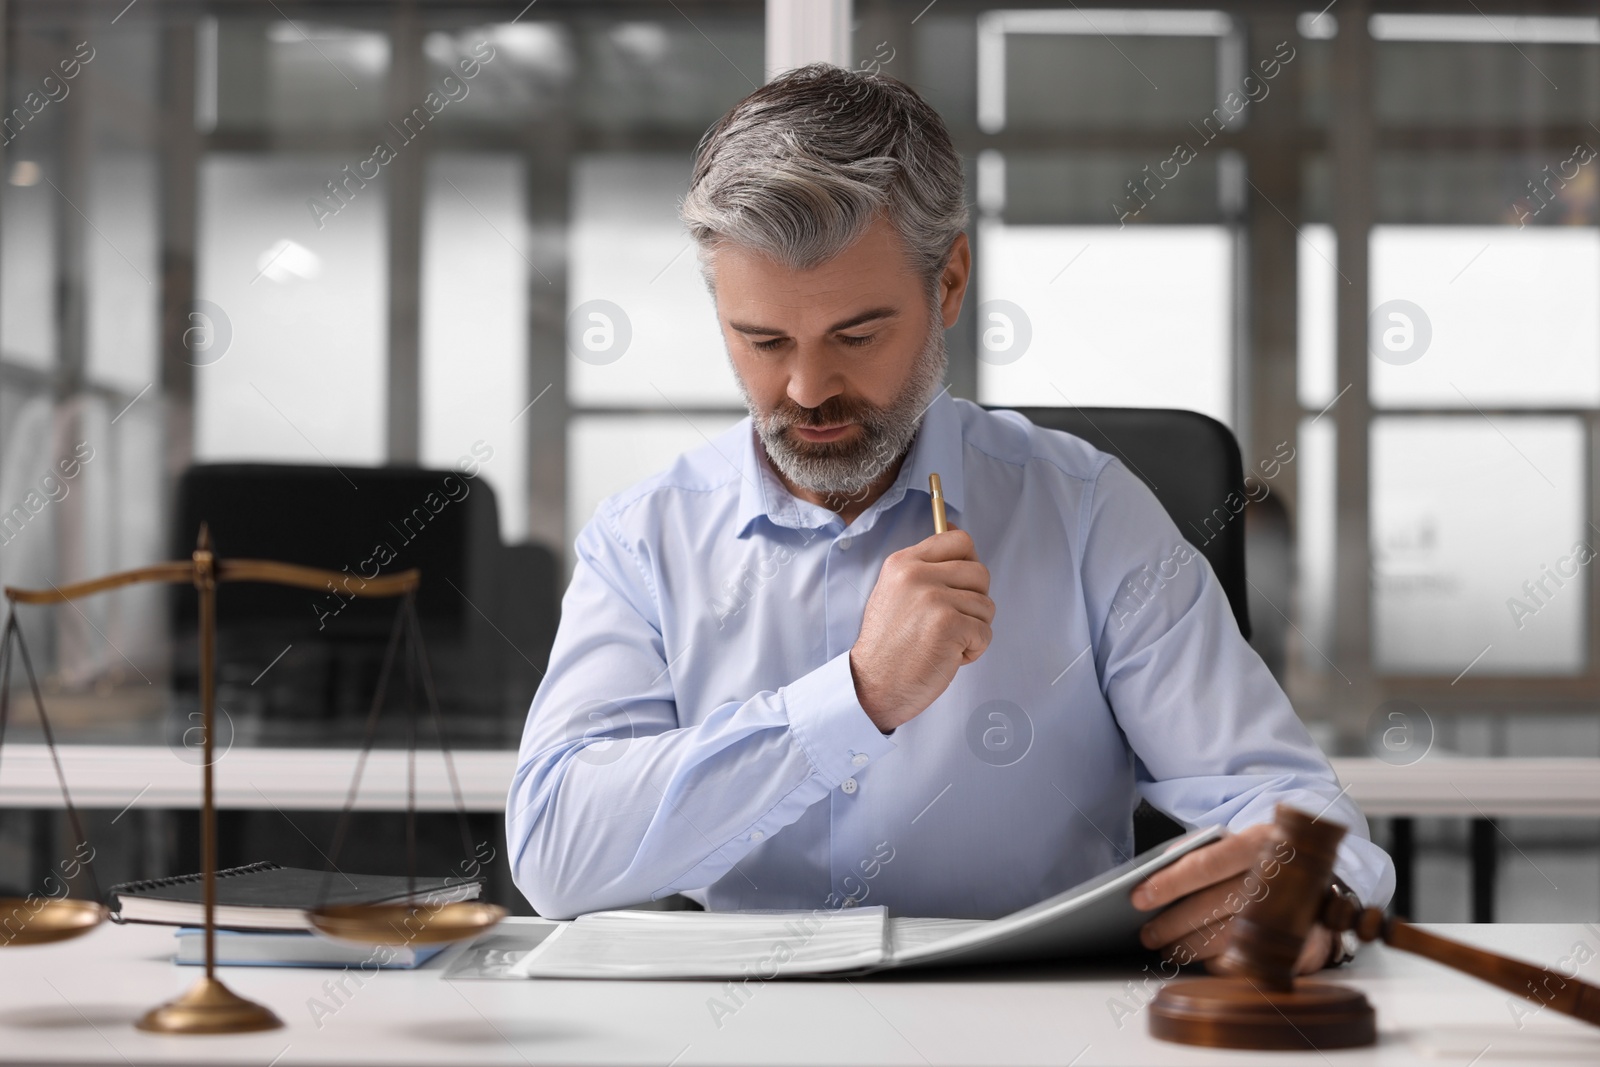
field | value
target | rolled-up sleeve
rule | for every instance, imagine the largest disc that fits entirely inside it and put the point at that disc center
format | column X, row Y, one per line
column 614, row 802
column 1215, row 737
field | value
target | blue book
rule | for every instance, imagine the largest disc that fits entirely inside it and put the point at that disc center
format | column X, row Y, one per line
column 294, row 948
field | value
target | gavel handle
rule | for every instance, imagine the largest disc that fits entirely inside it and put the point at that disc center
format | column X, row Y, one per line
column 1538, row 984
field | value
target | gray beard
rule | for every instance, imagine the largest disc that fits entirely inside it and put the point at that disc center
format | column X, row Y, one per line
column 846, row 468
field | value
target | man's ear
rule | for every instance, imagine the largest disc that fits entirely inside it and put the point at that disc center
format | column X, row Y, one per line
column 953, row 279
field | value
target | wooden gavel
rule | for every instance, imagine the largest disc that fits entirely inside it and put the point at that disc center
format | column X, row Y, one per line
column 1261, row 1005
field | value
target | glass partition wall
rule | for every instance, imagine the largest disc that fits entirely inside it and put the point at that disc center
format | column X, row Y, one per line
column 344, row 236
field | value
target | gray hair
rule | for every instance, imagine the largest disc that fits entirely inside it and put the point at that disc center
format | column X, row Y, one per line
column 800, row 168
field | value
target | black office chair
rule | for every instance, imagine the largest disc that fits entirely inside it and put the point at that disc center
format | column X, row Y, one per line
column 1191, row 463
column 488, row 610
column 488, row 613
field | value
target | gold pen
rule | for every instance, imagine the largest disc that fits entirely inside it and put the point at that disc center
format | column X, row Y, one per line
column 939, row 524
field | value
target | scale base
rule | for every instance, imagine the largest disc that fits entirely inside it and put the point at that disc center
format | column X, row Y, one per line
column 209, row 1007
column 1234, row 1013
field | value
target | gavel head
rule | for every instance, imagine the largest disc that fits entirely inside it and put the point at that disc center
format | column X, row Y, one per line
column 1293, row 872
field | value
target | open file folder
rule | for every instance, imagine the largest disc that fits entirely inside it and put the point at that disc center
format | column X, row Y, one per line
column 1094, row 918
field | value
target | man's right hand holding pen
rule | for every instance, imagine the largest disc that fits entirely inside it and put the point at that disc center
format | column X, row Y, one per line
column 929, row 615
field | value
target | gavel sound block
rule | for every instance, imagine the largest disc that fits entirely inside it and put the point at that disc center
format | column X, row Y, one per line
column 1261, row 1005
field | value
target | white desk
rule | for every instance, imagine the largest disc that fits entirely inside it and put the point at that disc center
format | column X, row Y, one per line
column 247, row 778
column 75, row 1003
column 313, row 779
column 1474, row 788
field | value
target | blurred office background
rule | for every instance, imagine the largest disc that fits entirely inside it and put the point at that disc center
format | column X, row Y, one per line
column 1364, row 237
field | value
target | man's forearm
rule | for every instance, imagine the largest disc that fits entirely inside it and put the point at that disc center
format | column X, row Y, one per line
column 603, row 823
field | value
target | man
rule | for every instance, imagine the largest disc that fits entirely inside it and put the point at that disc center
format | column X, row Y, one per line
column 775, row 687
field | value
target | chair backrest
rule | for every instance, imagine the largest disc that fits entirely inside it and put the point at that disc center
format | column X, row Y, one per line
column 488, row 611
column 1191, row 462
column 338, row 518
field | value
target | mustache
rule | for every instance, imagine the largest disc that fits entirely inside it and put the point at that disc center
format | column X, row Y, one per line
column 815, row 418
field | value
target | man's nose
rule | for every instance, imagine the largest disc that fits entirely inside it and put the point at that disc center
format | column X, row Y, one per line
column 813, row 380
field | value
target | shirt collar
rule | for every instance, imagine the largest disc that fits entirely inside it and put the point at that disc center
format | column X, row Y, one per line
column 936, row 448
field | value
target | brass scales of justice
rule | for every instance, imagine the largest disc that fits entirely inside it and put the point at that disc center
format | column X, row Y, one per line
column 209, row 1006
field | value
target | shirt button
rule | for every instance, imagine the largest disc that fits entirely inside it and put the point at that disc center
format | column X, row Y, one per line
column 757, row 835
column 859, row 760
column 849, row 785
column 850, row 902
column 844, row 544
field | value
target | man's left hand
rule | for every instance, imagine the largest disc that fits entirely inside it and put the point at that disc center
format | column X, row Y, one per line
column 1210, row 886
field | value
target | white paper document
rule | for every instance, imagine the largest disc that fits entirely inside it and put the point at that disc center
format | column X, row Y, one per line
column 1095, row 918
column 698, row 944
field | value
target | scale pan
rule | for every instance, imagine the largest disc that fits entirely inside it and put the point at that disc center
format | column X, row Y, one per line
column 25, row 921
column 405, row 924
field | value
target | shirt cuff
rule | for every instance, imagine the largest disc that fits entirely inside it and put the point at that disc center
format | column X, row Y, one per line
column 1366, row 869
column 830, row 724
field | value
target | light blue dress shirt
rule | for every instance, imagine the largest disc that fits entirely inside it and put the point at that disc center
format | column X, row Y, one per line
column 698, row 731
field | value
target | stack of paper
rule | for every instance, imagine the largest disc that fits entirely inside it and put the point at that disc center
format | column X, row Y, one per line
column 688, row 944
column 1095, row 918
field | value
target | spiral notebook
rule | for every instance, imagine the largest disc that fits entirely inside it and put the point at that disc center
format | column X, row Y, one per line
column 268, row 896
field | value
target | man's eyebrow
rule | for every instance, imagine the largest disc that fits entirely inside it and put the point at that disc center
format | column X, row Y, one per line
column 870, row 315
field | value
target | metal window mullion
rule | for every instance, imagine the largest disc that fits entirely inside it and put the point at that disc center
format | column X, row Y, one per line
column 179, row 148
column 1351, row 138
column 407, row 173
column 1591, row 427
column 549, row 150
column 1270, row 371
column 804, row 31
